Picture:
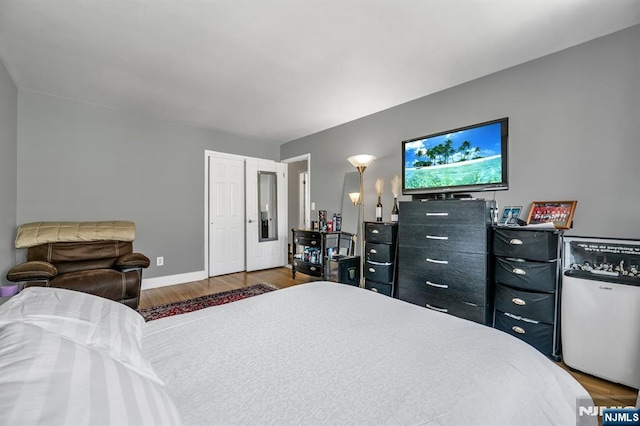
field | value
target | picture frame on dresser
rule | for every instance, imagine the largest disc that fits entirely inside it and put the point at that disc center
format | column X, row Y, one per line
column 560, row 213
column 510, row 215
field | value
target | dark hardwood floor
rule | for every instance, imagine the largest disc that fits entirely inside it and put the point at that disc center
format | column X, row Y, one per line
column 602, row 391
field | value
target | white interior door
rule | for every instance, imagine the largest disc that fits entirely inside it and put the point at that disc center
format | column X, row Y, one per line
column 226, row 215
column 271, row 253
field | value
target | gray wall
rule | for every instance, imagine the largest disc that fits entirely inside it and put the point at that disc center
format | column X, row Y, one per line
column 83, row 162
column 574, row 134
column 8, row 170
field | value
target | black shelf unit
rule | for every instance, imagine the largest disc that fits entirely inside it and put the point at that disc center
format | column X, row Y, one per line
column 310, row 250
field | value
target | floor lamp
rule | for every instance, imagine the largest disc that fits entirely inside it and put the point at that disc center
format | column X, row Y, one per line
column 361, row 162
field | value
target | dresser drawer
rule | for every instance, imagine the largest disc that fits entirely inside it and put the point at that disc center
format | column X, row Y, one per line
column 471, row 292
column 304, row 241
column 445, row 212
column 378, row 272
column 379, row 252
column 539, row 276
column 451, row 268
column 540, row 335
column 314, row 235
column 380, row 232
column 531, row 245
column 471, row 239
column 385, row 289
column 442, row 304
column 308, row 268
column 532, row 305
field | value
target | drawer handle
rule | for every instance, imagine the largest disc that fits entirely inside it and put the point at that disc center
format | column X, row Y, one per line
column 375, row 231
column 518, row 301
column 515, row 242
column 519, row 318
column 374, row 251
column 441, row 262
column 518, row 330
column 371, row 270
column 313, row 243
column 437, row 214
column 435, row 237
column 437, row 309
column 519, row 271
column 436, row 285
column 374, row 289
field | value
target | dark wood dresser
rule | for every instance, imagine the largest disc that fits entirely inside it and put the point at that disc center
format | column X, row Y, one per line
column 443, row 256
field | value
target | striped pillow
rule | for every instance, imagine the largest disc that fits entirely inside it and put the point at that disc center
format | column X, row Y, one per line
column 95, row 322
column 48, row 379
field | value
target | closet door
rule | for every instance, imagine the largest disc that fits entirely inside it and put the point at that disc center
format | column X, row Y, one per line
column 226, row 215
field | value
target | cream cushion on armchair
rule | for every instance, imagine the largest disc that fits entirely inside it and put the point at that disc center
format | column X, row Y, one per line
column 36, row 233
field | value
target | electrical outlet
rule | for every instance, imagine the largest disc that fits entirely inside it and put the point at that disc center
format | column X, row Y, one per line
column 160, row 261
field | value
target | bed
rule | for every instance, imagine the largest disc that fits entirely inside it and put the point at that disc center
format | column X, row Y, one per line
column 317, row 353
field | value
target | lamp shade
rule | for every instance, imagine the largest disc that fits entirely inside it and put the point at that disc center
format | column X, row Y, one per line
column 361, row 160
column 355, row 197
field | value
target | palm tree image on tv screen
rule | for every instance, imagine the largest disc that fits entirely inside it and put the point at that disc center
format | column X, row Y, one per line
column 467, row 157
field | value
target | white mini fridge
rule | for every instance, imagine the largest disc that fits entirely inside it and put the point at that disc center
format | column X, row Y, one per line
column 600, row 308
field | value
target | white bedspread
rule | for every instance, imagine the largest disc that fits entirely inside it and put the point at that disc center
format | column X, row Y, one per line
column 325, row 353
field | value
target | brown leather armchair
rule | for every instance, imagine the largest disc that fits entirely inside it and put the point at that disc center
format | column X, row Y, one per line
column 92, row 257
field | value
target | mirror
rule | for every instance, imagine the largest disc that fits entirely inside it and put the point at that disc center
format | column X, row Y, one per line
column 268, row 206
column 350, row 212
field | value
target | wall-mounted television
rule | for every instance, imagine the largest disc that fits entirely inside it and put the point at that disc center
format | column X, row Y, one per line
column 468, row 159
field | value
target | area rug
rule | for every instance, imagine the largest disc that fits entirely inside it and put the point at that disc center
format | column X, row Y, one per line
column 176, row 308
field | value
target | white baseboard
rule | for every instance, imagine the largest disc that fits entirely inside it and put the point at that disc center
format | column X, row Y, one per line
column 155, row 282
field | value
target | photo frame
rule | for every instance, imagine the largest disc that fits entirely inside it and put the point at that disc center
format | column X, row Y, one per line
column 560, row 213
column 510, row 215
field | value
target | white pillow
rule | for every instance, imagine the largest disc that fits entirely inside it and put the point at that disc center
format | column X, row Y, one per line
column 89, row 320
column 49, row 379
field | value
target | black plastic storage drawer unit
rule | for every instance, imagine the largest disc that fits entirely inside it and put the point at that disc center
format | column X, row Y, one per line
column 527, row 286
column 380, row 265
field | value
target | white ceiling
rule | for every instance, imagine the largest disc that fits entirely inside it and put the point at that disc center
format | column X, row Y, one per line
column 277, row 70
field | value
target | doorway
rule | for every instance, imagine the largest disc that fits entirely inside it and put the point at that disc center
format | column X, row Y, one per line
column 299, row 198
column 304, row 219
